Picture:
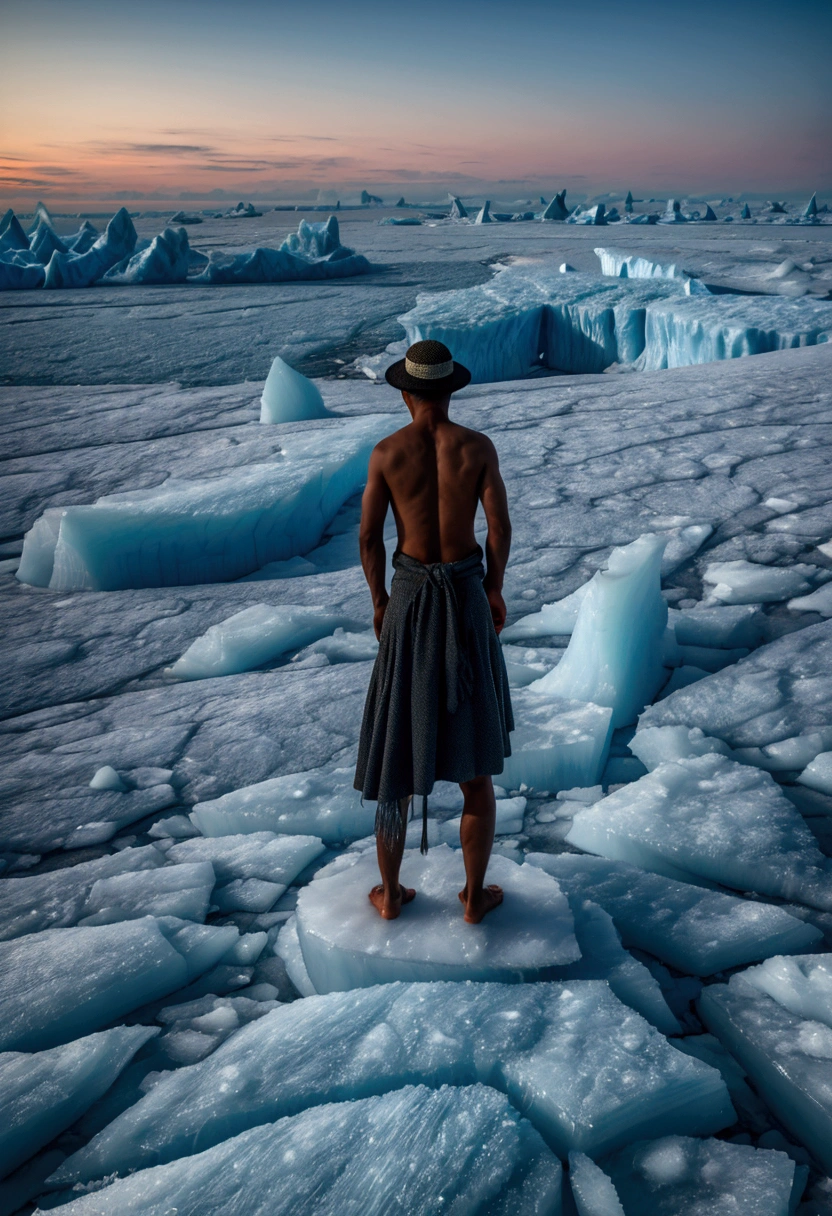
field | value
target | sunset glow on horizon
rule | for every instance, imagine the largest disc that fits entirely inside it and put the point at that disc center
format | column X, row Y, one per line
column 266, row 101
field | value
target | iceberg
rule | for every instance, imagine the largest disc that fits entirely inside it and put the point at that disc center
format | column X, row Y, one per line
column 787, row 1056
column 44, row 1093
column 420, row 1150
column 165, row 260
column 811, row 208
column 41, row 216
column 484, row 214
column 186, row 217
column 593, row 215
column 84, row 269
column 557, row 208
column 367, row 198
column 319, row 803
column 17, row 274
column 84, row 238
column 557, row 743
column 682, row 1176
column 817, row 775
column 628, row 202
column 709, row 820
column 672, row 213
column 630, row 266
column 257, row 635
column 587, row 1072
column 710, row 214
column 313, row 252
column 346, row 944
column 44, row 242
column 290, row 397
column 214, row 530
column 243, row 211
column 614, row 657
column 125, row 965
column 458, row 211
column 695, row 930
column 741, row 582
column 12, row 236
column 252, row 871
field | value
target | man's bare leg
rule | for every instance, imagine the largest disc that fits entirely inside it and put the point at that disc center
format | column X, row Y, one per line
column 476, row 834
column 390, row 895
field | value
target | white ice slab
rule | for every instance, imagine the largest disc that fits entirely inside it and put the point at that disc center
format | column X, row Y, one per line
column 817, row 601
column 693, row 929
column 788, row 1057
column 165, row 260
column 319, row 803
column 42, row 1094
column 256, row 635
column 803, row 986
column 681, row 1176
column 742, row 582
column 63, row 983
column 419, row 1150
column 709, row 820
column 185, row 532
column 655, row 745
column 290, row 397
column 346, row 944
column 592, row 1189
column 589, row 1073
column 557, row 743
column 253, row 871
column 184, row 892
column 615, row 653
column 818, row 774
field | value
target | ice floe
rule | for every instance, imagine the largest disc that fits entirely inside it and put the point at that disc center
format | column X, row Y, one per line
column 586, row 1071
column 557, row 743
column 252, row 871
column 741, row 582
column 709, row 820
column 761, row 1017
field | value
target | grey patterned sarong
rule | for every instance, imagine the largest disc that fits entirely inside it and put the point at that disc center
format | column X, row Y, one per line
column 438, row 707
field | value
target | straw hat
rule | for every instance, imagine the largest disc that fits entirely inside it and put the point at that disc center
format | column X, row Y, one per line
column 428, row 370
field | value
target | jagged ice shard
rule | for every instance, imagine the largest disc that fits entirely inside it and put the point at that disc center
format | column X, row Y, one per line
column 42, row 1094
column 462, row 1150
column 82, row 270
column 767, row 1019
column 586, row 1071
column 165, row 260
column 709, row 820
column 290, row 397
column 205, row 531
column 614, row 657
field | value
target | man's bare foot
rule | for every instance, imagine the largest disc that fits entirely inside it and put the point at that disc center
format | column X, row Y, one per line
column 389, row 909
column 476, row 909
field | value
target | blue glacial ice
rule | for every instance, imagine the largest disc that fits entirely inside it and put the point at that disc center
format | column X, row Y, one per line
column 252, row 871
column 557, row 208
column 817, row 775
column 125, row 965
column 83, row 239
column 592, row 1190
column 42, row 1094
column 528, row 317
column 614, row 657
column 256, row 635
column 693, row 929
column 320, row 802
column 787, row 1054
column 213, row 530
column 596, row 215
column 165, row 260
column 557, row 744
column 711, row 821
column 462, row 1150
column 586, row 1071
column 458, row 209
column 620, row 265
column 681, row 1176
column 484, row 214
column 313, row 252
column 290, row 397
column 12, row 235
column 20, row 271
column 184, row 893
column 672, row 213
column 346, row 944
column 84, row 269
column 44, row 242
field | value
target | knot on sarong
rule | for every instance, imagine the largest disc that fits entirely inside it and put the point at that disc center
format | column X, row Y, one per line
column 436, row 612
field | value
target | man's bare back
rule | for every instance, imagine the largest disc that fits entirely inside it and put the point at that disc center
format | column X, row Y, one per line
column 434, row 473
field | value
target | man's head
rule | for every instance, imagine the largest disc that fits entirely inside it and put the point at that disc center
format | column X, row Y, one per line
column 427, row 373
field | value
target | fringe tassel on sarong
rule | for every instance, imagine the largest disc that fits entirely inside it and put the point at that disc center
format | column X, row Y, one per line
column 391, row 824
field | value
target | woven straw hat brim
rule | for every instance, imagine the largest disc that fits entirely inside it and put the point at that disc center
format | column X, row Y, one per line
column 399, row 377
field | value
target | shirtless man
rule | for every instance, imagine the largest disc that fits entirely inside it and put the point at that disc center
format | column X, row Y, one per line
column 438, row 706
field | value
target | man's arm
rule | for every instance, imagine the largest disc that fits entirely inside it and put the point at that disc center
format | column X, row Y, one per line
column 374, row 506
column 498, row 540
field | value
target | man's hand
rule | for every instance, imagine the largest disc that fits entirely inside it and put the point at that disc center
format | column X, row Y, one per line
column 378, row 616
column 498, row 609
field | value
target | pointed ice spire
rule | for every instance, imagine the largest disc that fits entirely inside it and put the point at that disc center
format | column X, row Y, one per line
column 290, row 397
column 12, row 235
column 401, row 202
column 45, row 242
column 745, row 214
column 812, row 208
column 42, row 215
column 557, row 209
column 710, row 214
column 457, row 212
column 484, row 214
column 628, row 202
column 673, row 213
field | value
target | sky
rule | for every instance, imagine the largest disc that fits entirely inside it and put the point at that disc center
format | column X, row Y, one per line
column 272, row 100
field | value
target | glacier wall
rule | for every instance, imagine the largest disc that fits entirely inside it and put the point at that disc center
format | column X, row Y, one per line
column 531, row 317
column 622, row 265
column 182, row 533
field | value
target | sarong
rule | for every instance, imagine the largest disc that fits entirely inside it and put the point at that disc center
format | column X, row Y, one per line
column 438, row 707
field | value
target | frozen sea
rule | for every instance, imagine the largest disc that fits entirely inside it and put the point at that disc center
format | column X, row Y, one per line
column 650, row 1015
